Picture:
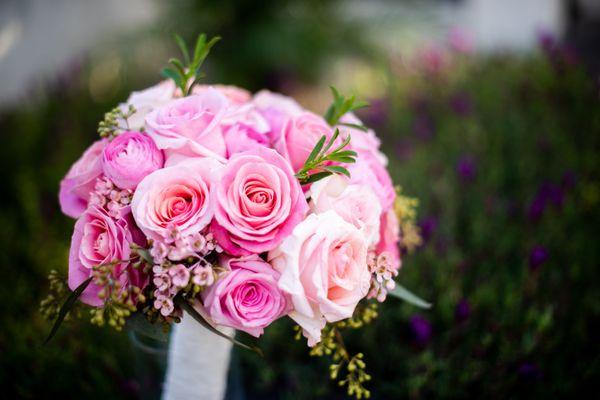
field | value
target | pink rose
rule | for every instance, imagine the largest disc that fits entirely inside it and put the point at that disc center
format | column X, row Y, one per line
column 245, row 129
column 178, row 197
column 76, row 186
column 361, row 141
column 99, row 239
column 147, row 100
column 190, row 125
column 246, row 298
column 323, row 267
column 299, row 136
column 368, row 171
column 259, row 201
column 276, row 109
column 129, row 157
column 234, row 94
column 390, row 238
column 354, row 203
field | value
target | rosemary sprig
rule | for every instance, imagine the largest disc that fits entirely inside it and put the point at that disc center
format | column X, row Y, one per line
column 186, row 74
column 315, row 167
column 342, row 105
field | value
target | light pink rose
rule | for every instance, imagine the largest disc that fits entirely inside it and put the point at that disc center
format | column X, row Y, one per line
column 190, row 125
column 178, row 197
column 299, row 136
column 354, row 203
column 245, row 129
column 99, row 239
column 276, row 109
column 390, row 238
column 76, row 186
column 129, row 157
column 323, row 267
column 247, row 297
column 234, row 94
column 368, row 171
column 147, row 100
column 259, row 201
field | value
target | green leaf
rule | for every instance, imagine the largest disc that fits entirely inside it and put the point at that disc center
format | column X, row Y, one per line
column 145, row 255
column 138, row 323
column 316, row 150
column 200, row 319
column 67, row 306
column 332, row 140
column 360, row 104
column 354, row 126
column 183, row 47
column 402, row 293
column 178, row 65
column 338, row 170
column 170, row 73
column 200, row 42
column 346, row 153
column 316, row 177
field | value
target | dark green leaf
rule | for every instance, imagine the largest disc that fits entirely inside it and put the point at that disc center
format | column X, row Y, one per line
column 316, row 177
column 138, row 323
column 200, row 42
column 200, row 319
column 183, row 47
column 332, row 140
column 316, row 150
column 402, row 293
column 346, row 153
column 172, row 74
column 354, row 126
column 177, row 64
column 67, row 306
column 338, row 170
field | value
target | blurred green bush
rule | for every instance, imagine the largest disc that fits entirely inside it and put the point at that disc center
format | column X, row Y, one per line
column 503, row 153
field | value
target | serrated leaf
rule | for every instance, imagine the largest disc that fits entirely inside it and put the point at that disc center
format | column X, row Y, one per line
column 66, row 307
column 183, row 47
column 338, row 170
column 200, row 319
column 402, row 293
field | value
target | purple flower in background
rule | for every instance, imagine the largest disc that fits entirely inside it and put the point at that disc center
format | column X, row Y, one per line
column 547, row 193
column 421, row 329
column 461, row 104
column 568, row 181
column 529, row 372
column 376, row 114
column 423, row 126
column 537, row 257
column 428, row 226
column 466, row 168
column 404, row 149
column 547, row 41
column 536, row 208
column 462, row 311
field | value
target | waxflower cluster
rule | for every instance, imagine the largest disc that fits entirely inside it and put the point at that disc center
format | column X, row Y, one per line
column 247, row 206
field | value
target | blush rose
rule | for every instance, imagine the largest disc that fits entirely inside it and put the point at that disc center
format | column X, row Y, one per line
column 177, row 197
column 323, row 266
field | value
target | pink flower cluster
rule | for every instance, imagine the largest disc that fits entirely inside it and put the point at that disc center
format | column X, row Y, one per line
column 206, row 183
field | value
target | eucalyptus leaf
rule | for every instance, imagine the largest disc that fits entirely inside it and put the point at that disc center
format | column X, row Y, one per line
column 402, row 293
column 66, row 307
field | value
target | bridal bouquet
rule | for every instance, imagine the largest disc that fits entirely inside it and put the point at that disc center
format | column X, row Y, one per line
column 236, row 209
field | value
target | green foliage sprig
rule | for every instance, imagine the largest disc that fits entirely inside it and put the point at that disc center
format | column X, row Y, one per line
column 186, row 73
column 342, row 105
column 350, row 371
column 317, row 165
column 111, row 125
